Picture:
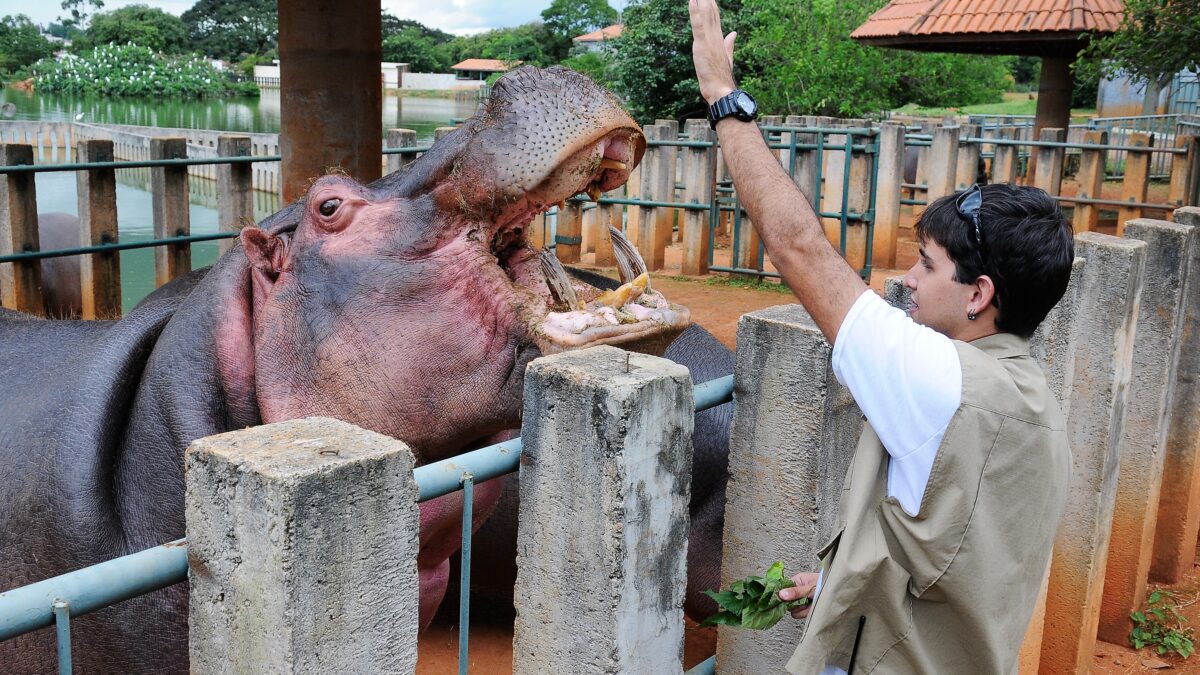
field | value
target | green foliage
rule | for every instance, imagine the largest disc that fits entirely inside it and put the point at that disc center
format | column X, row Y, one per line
column 230, row 29
column 1156, row 40
column 392, row 25
column 654, row 72
column 804, row 62
column 410, row 45
column 596, row 65
column 130, row 70
column 21, row 44
column 753, row 602
column 139, row 24
column 1162, row 626
column 78, row 12
column 527, row 43
column 567, row 19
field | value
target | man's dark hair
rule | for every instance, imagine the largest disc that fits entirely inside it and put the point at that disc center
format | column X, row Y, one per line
column 1028, row 248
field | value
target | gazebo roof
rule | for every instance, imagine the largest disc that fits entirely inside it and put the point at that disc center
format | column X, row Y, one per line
column 485, row 65
column 1028, row 27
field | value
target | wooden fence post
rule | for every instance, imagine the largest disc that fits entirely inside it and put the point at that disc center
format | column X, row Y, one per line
column 169, row 199
column 1137, row 177
column 1049, row 170
column 1184, row 172
column 1091, row 181
column 1004, row 164
column 887, row 194
column 20, row 282
column 99, row 273
column 401, row 138
column 698, row 189
column 235, row 188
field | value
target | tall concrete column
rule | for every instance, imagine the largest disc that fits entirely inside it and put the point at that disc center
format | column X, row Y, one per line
column 793, row 435
column 1106, row 323
column 603, row 531
column 302, row 549
column 1054, row 94
column 330, row 91
column 1154, row 360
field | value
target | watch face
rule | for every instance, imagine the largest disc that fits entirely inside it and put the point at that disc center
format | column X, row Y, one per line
column 745, row 104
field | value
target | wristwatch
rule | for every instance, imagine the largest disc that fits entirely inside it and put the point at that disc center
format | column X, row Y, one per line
column 737, row 103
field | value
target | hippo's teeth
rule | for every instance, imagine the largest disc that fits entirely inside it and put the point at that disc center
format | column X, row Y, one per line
column 624, row 295
column 593, row 191
column 629, row 262
column 608, row 163
column 561, row 290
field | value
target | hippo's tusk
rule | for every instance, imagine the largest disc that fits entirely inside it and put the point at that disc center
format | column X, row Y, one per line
column 608, row 163
column 593, row 191
column 629, row 262
column 626, row 294
column 561, row 289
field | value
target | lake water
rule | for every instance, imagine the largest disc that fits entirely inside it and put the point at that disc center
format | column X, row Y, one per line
column 56, row 191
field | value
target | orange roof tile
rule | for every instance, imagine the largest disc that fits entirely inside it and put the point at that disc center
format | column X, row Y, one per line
column 912, row 19
column 487, row 65
column 606, row 33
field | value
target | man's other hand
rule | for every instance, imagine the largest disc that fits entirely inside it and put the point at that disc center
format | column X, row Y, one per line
column 712, row 55
column 806, row 583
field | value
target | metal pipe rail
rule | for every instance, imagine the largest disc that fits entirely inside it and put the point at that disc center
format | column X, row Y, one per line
column 101, row 248
column 136, row 164
column 1078, row 146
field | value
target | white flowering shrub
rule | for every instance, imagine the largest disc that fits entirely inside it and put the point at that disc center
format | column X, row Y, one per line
column 130, row 70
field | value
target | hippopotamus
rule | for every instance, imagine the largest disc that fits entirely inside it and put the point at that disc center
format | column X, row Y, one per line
column 409, row 306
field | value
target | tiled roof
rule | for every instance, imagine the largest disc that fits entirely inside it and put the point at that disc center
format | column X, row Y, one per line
column 486, row 65
column 606, row 33
column 912, row 19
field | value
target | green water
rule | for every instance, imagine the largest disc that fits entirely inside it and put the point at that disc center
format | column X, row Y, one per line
column 56, row 192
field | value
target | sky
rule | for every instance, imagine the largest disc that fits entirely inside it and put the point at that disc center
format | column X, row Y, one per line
column 461, row 17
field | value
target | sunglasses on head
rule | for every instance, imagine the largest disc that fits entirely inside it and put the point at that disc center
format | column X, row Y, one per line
column 968, row 205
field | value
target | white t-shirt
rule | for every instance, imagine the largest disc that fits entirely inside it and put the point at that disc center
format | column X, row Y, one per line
column 907, row 380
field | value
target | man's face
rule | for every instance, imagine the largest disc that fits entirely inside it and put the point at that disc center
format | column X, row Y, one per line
column 938, row 301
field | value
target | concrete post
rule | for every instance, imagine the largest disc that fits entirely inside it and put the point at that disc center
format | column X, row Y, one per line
column 1142, row 443
column 401, row 138
column 1049, row 171
column 1054, row 93
column 1110, row 291
column 539, row 231
column 1179, row 501
column 302, row 546
column 652, row 189
column 887, row 194
column 787, row 397
column 1091, row 181
column 1004, row 164
column 331, row 99
column 172, row 215
column 568, row 232
column 669, row 159
column 1053, row 343
column 805, row 173
column 698, row 189
column 1136, row 183
column 967, row 172
column 20, row 282
column 605, row 483
column 442, row 132
column 235, row 188
column 610, row 215
column 1184, row 171
column 99, row 273
column 943, row 162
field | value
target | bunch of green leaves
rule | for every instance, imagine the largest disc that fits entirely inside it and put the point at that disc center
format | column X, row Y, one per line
column 754, row 602
column 1162, row 626
column 132, row 70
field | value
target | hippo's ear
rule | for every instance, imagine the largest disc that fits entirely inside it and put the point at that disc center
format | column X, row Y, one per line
column 267, row 254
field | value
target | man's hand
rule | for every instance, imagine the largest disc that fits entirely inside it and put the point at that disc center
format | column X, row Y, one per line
column 806, row 583
column 712, row 55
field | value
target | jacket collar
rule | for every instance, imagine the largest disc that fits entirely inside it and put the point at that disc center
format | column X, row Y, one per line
column 1002, row 345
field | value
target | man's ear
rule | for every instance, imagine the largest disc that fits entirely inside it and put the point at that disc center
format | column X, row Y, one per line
column 267, row 254
column 983, row 293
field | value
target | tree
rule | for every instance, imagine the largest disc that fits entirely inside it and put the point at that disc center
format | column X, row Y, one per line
column 391, row 25
column 567, row 19
column 78, row 12
column 1156, row 40
column 139, row 24
column 232, row 29
column 527, row 43
column 21, row 44
column 596, row 65
column 419, row 51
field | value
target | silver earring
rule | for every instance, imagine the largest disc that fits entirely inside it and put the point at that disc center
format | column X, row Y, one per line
column 971, row 316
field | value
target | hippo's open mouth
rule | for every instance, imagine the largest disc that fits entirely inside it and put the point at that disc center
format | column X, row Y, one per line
column 573, row 314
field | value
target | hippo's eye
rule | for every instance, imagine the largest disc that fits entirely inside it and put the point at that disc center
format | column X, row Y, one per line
column 329, row 206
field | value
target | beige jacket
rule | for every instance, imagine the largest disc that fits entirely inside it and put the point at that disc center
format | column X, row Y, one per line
column 952, row 589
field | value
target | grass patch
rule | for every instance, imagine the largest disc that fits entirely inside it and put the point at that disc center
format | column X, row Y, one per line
column 742, row 283
column 1014, row 103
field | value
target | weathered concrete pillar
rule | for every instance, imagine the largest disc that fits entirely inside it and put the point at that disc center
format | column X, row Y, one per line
column 235, row 188
column 787, row 397
column 804, row 175
column 302, row 546
column 1091, row 181
column 698, row 189
column 442, row 132
column 401, row 138
column 669, row 159
column 20, row 282
column 1135, row 185
column 887, row 194
column 568, row 232
column 172, row 213
column 605, row 483
column 967, row 172
column 1179, row 501
column 1110, row 291
column 653, row 188
column 1049, row 172
column 1185, row 171
column 1054, row 93
column 943, row 162
column 610, row 216
column 1004, row 163
column 331, row 97
column 1144, row 439
column 99, row 273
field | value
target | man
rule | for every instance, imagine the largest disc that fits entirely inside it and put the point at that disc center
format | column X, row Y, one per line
column 953, row 497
